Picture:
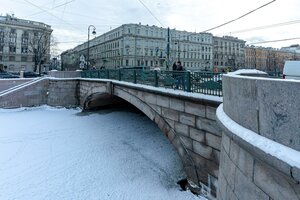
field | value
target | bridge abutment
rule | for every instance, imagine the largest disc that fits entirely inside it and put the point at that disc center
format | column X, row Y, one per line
column 260, row 156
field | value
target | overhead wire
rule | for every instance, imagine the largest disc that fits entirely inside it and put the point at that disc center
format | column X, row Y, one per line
column 240, row 17
column 151, row 13
column 52, row 15
column 271, row 41
column 63, row 4
column 265, row 27
column 233, row 20
column 64, row 9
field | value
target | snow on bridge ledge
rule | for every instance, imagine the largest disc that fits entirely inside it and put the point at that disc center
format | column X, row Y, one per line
column 279, row 151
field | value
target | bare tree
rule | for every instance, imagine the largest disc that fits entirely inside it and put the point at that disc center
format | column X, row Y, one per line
column 40, row 44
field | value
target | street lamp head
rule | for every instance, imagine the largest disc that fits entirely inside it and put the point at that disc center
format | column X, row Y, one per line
column 94, row 31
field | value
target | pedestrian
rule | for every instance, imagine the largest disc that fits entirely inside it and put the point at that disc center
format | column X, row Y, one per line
column 180, row 76
column 179, row 66
column 174, row 69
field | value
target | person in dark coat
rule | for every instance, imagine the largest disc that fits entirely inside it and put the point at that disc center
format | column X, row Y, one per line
column 180, row 76
column 174, row 67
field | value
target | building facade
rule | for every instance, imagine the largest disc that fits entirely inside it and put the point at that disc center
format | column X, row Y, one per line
column 136, row 45
column 228, row 52
column 268, row 59
column 295, row 48
column 24, row 44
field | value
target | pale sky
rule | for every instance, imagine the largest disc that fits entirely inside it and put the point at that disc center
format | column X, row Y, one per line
column 70, row 18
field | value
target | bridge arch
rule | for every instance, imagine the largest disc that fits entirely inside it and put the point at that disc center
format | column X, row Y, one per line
column 188, row 120
column 189, row 124
column 100, row 99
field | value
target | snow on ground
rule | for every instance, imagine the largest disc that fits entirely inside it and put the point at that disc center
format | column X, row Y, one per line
column 50, row 153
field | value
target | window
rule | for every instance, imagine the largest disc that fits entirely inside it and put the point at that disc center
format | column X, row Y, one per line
column 0, row 58
column 12, row 49
column 1, row 36
column 11, row 58
column 24, row 59
column 1, row 48
column 25, row 38
column 24, row 50
column 127, row 62
column 13, row 39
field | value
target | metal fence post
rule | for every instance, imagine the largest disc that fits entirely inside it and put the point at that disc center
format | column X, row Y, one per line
column 107, row 73
column 155, row 78
column 120, row 74
column 188, row 81
column 134, row 76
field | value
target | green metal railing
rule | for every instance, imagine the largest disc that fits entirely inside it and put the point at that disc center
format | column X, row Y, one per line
column 197, row 82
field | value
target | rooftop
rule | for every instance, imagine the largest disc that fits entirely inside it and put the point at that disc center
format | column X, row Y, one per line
column 11, row 19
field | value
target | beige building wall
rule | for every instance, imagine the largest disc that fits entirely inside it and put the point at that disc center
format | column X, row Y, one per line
column 136, row 45
column 16, row 43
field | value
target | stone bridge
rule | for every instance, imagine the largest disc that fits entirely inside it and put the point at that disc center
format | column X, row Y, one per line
column 213, row 144
column 187, row 120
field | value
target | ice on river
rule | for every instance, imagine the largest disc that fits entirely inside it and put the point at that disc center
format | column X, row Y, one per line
column 50, row 153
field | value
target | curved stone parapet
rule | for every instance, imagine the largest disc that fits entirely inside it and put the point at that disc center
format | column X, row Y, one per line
column 260, row 122
column 269, row 107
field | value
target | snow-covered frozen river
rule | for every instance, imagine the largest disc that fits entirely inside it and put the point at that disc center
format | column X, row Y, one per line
column 50, row 153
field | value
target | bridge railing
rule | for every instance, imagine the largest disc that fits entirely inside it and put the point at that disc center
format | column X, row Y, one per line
column 198, row 82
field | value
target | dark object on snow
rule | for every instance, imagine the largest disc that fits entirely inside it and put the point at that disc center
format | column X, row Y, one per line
column 183, row 184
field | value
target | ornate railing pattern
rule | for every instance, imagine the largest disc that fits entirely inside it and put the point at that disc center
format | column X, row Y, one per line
column 198, row 82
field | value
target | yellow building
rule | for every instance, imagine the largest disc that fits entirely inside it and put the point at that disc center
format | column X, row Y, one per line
column 267, row 59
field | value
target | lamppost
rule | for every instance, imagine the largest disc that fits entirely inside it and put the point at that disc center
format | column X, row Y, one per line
column 178, row 48
column 88, row 48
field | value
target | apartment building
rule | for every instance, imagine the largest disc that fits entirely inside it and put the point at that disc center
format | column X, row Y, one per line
column 268, row 59
column 228, row 52
column 136, row 45
column 24, row 44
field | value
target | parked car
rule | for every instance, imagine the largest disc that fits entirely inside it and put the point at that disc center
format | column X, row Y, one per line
column 31, row 75
column 4, row 74
column 291, row 70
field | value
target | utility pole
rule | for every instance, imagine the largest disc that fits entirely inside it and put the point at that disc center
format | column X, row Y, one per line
column 168, row 50
column 178, row 51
